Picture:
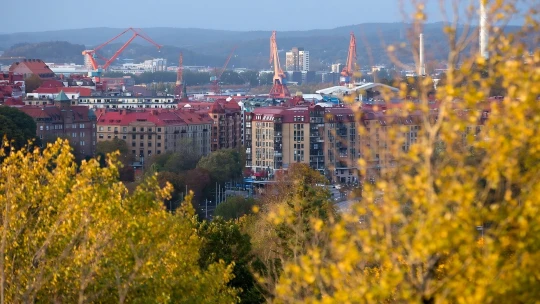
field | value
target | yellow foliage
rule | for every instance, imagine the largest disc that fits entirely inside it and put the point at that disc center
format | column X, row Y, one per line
column 75, row 234
column 458, row 219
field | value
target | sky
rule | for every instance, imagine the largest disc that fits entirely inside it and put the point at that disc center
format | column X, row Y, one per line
column 244, row 15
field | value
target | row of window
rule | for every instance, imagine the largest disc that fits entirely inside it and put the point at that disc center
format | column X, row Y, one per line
column 60, row 127
column 133, row 144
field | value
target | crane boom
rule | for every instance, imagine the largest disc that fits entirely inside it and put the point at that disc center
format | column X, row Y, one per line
column 226, row 63
column 218, row 73
column 92, row 54
column 279, row 89
column 348, row 70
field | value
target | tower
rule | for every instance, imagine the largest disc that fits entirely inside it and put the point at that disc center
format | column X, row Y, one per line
column 421, row 65
column 484, row 35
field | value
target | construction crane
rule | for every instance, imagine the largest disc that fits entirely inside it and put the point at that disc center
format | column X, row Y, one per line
column 217, row 77
column 347, row 75
column 179, row 89
column 279, row 88
column 92, row 54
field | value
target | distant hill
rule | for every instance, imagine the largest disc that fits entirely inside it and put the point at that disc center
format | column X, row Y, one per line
column 56, row 51
column 210, row 47
column 65, row 52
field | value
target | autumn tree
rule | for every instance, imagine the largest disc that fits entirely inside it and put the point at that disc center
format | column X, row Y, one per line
column 461, row 227
column 74, row 234
column 282, row 229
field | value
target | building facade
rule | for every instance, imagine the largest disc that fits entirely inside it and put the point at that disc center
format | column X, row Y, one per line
column 227, row 127
column 127, row 102
column 64, row 120
column 297, row 59
column 150, row 132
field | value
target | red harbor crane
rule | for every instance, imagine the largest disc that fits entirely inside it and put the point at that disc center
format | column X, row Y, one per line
column 279, row 88
column 91, row 55
column 347, row 75
column 215, row 79
column 179, row 89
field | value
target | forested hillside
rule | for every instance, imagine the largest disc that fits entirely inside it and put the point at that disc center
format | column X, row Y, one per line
column 211, row 47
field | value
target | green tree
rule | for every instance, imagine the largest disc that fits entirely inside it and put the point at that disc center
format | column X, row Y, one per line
column 32, row 82
column 77, row 235
column 235, row 207
column 125, row 157
column 184, row 158
column 17, row 127
column 223, row 165
column 224, row 241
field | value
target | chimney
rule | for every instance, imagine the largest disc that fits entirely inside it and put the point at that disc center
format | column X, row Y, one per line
column 421, row 67
column 484, row 35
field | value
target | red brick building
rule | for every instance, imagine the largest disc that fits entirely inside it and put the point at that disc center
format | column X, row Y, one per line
column 75, row 123
column 227, row 128
column 227, row 117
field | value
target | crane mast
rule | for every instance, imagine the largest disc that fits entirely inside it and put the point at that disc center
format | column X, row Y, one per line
column 215, row 79
column 279, row 88
column 179, row 88
column 347, row 75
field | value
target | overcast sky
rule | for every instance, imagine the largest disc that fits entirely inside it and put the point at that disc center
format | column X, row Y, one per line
column 43, row 15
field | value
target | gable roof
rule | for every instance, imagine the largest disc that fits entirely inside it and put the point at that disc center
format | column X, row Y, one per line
column 36, row 66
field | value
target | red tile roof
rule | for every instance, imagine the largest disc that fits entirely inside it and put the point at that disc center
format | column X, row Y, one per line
column 67, row 90
column 36, row 66
column 79, row 113
column 160, row 117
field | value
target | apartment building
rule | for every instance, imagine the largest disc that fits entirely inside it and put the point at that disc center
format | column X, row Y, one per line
column 64, row 120
column 227, row 127
column 332, row 139
column 149, row 132
column 282, row 136
column 127, row 102
column 342, row 144
column 297, row 59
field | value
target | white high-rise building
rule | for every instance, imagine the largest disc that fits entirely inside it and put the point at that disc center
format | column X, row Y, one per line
column 297, row 59
column 303, row 59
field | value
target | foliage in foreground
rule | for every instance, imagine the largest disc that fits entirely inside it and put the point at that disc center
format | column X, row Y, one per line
column 74, row 234
column 415, row 236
